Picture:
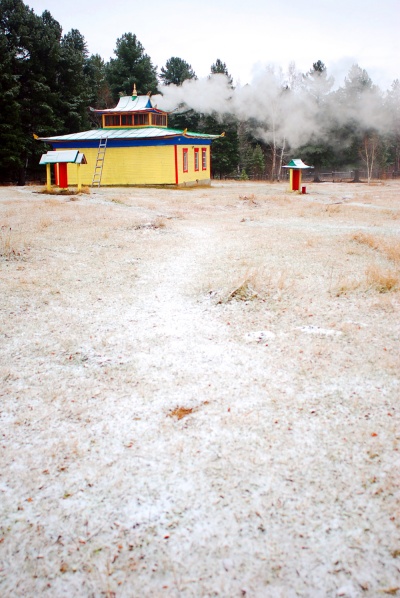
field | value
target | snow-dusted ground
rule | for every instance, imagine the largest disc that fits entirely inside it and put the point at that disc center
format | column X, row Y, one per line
column 164, row 436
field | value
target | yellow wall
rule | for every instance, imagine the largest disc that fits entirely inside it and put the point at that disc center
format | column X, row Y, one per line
column 153, row 165
column 193, row 175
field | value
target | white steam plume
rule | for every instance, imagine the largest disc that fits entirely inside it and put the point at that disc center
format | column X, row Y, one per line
column 297, row 109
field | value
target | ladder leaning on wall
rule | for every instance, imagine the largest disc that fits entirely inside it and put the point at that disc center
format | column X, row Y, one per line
column 98, row 169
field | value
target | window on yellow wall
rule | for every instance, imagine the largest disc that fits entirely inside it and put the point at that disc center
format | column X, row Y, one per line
column 204, row 158
column 185, row 160
column 196, row 158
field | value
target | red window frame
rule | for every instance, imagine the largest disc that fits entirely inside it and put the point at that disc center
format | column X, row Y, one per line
column 196, row 159
column 204, row 158
column 185, row 159
column 140, row 119
column 112, row 120
column 126, row 120
column 159, row 120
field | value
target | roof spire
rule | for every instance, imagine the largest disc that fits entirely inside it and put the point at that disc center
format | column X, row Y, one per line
column 134, row 92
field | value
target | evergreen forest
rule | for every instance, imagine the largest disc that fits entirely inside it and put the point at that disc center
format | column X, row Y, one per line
column 49, row 79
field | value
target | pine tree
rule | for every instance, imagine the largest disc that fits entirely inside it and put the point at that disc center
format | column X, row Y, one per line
column 99, row 92
column 225, row 151
column 176, row 71
column 32, row 49
column 132, row 66
column 392, row 112
column 43, row 89
column 317, row 83
column 11, row 133
column 358, row 105
column 73, row 83
column 220, row 67
column 258, row 161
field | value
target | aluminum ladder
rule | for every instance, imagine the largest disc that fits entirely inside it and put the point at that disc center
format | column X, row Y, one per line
column 98, row 169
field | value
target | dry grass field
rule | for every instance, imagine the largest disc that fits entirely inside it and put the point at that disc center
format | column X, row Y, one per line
column 200, row 392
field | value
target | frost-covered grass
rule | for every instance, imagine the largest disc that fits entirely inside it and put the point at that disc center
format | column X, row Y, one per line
column 200, row 393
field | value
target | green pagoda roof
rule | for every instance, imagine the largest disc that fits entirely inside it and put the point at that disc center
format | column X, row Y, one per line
column 131, row 133
column 297, row 163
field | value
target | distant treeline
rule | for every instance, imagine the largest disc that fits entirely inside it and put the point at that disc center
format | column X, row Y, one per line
column 49, row 79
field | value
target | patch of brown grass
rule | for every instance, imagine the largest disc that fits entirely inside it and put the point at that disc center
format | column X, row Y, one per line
column 159, row 222
column 180, row 412
column 347, row 285
column 310, row 242
column 249, row 199
column 381, row 279
column 51, row 201
column 377, row 277
column 243, row 292
column 389, row 248
column 333, row 209
column 8, row 247
column 388, row 213
column 366, row 239
column 119, row 201
column 280, row 200
column 54, row 191
column 255, row 284
column 44, row 223
column 155, row 224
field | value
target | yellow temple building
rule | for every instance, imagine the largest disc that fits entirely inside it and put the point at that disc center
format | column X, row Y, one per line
column 134, row 146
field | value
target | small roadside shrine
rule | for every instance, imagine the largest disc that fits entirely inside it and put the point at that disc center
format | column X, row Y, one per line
column 60, row 159
column 295, row 167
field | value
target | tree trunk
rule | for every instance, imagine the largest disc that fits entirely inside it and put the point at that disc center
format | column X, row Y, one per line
column 281, row 158
column 22, row 176
column 316, row 176
column 273, row 165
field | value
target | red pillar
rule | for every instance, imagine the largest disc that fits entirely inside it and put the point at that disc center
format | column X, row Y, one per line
column 63, row 175
column 176, row 164
column 296, row 180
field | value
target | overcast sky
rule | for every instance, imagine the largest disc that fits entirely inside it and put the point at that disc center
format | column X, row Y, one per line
column 245, row 34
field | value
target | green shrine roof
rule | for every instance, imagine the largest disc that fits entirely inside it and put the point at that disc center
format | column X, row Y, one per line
column 66, row 156
column 297, row 163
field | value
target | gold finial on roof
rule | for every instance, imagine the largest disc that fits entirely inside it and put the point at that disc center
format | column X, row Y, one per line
column 134, row 92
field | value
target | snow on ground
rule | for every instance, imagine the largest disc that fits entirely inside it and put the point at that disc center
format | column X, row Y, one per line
column 200, row 392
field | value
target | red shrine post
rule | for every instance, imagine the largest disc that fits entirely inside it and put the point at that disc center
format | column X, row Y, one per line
column 295, row 167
